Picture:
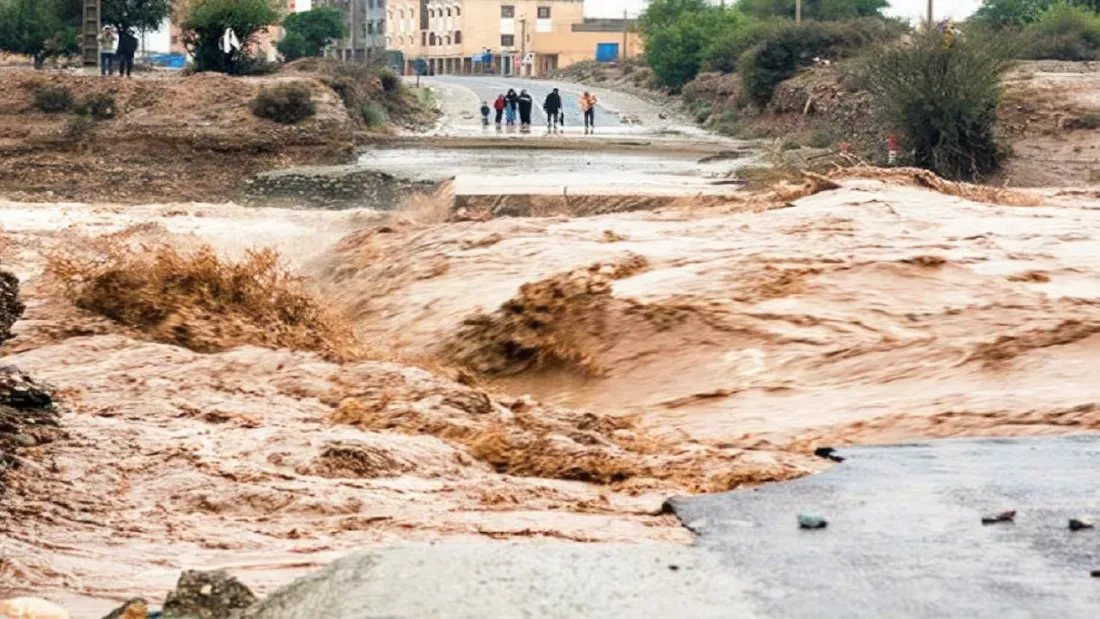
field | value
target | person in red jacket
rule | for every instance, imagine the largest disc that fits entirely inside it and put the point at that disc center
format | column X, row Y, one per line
column 499, row 106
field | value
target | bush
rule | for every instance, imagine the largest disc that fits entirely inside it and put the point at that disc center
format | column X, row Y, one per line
column 308, row 32
column 374, row 115
column 724, row 52
column 1064, row 32
column 79, row 128
column 390, row 82
column 1088, row 120
column 942, row 100
column 790, row 47
column 53, row 98
column 814, row 9
column 100, row 106
column 285, row 103
column 677, row 35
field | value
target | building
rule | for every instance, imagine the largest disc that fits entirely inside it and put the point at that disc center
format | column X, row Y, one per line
column 366, row 21
column 504, row 37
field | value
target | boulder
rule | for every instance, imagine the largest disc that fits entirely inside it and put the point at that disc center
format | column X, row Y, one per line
column 207, row 595
column 11, row 308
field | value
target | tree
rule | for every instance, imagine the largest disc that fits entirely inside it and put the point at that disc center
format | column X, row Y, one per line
column 678, row 34
column 942, row 99
column 35, row 28
column 1064, row 32
column 814, row 9
column 206, row 21
column 136, row 15
column 308, row 33
column 1002, row 13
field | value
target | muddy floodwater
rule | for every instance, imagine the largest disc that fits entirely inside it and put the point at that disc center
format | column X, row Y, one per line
column 529, row 377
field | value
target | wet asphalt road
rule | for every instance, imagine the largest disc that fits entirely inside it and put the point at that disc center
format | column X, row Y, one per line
column 905, row 540
column 905, row 537
column 488, row 87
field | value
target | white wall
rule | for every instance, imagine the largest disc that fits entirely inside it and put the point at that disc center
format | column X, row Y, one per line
column 158, row 42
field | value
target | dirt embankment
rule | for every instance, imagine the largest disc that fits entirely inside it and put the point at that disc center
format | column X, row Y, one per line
column 178, row 137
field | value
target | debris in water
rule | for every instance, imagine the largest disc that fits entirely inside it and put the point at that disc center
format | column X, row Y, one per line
column 812, row 520
column 1007, row 516
column 828, row 453
column 136, row 608
column 31, row 608
column 1076, row 524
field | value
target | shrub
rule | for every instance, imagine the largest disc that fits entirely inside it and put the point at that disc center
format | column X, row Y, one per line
column 79, row 128
column 390, row 82
column 701, row 111
column 1064, row 32
column 790, row 47
column 814, row 9
column 308, row 32
column 1088, row 120
column 677, row 35
column 374, row 115
column 100, row 106
column 53, row 98
column 285, row 103
column 724, row 52
column 942, row 100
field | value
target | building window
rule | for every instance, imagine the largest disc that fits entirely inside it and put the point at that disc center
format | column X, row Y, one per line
column 448, row 12
column 448, row 38
column 458, row 37
column 458, row 11
column 423, row 38
column 544, row 12
column 507, row 40
column 389, row 41
column 431, row 39
column 370, row 27
column 401, row 13
column 508, row 12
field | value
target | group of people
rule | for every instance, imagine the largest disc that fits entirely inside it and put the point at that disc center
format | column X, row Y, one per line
column 117, row 47
column 511, row 107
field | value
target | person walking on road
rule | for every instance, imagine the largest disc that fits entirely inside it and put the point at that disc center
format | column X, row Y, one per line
column 512, row 101
column 107, row 41
column 588, row 106
column 127, row 47
column 485, row 113
column 552, row 107
column 525, row 103
column 499, row 106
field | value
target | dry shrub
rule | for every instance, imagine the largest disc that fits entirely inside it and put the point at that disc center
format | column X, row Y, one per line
column 284, row 103
column 201, row 301
column 554, row 322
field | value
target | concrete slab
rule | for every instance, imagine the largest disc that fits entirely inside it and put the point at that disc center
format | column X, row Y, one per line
column 504, row 580
column 905, row 537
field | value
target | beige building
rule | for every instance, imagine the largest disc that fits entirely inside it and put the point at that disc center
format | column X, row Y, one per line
column 504, row 37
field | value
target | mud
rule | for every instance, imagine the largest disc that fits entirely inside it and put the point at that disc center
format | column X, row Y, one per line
column 547, row 377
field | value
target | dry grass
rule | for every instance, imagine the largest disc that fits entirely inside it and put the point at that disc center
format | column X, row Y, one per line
column 200, row 300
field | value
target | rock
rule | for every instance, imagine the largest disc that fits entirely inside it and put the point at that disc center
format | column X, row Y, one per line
column 27, row 417
column 1007, row 516
column 1076, row 524
column 812, row 520
column 11, row 308
column 22, row 440
column 136, row 608
column 31, row 608
column 207, row 595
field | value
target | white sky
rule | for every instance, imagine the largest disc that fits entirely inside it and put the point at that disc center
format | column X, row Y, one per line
column 955, row 9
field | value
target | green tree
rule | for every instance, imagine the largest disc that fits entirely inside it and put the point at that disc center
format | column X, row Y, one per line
column 1002, row 13
column 814, row 9
column 35, row 28
column 207, row 20
column 136, row 15
column 678, row 34
column 1064, row 32
column 942, row 100
column 308, row 33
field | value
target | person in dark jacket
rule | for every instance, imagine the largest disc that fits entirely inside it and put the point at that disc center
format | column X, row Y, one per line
column 525, row 104
column 127, row 47
column 513, row 106
column 552, row 107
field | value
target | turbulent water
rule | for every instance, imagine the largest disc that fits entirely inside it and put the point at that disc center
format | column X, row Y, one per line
column 734, row 342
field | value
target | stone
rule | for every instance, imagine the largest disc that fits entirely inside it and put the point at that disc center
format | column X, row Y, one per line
column 24, row 440
column 812, row 520
column 136, row 608
column 828, row 453
column 11, row 308
column 1006, row 516
column 207, row 595
column 1076, row 524
column 31, row 608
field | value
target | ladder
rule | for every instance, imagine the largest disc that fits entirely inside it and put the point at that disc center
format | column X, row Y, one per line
column 89, row 43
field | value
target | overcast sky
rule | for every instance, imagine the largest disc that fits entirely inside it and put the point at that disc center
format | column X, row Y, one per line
column 955, row 9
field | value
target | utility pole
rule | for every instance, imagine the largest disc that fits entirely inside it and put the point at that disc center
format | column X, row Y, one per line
column 90, row 30
column 523, row 45
column 931, row 18
column 624, row 54
column 798, row 11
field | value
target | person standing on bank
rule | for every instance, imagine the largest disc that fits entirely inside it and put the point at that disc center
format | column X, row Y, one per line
column 107, row 42
column 552, row 106
column 588, row 106
column 499, row 106
column 127, row 47
column 230, row 47
column 512, row 100
column 525, row 104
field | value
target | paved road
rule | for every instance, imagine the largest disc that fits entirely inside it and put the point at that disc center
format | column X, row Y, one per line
column 905, row 537
column 486, row 88
column 904, row 541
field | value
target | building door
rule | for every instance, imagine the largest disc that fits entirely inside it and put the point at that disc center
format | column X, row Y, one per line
column 507, row 60
column 607, row 52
